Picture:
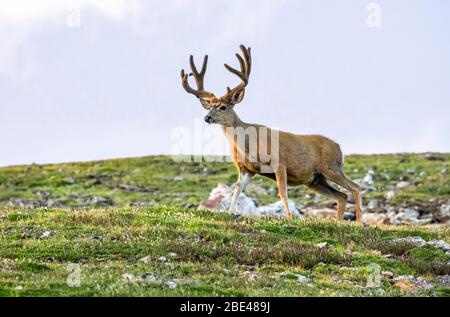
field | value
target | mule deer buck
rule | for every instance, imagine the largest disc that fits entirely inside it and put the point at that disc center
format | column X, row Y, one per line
column 310, row 160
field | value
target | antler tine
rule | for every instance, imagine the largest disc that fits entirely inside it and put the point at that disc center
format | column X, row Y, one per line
column 198, row 76
column 245, row 64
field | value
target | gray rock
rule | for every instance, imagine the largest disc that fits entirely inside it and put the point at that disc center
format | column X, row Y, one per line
column 302, row 279
column 149, row 277
column 411, row 213
column 45, row 235
column 443, row 213
column 372, row 204
column 172, row 284
column 415, row 241
column 277, row 209
column 439, row 244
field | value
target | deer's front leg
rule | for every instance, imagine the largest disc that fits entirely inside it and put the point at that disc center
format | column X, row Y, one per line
column 242, row 182
column 281, row 176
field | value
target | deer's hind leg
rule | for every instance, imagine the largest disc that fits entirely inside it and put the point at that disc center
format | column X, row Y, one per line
column 337, row 176
column 321, row 186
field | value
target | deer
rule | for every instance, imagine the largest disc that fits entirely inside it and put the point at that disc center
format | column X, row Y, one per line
column 311, row 160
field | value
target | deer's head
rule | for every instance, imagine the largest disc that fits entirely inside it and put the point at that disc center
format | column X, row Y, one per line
column 220, row 110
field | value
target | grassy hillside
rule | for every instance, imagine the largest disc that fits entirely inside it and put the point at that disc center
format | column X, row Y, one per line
column 160, row 180
column 204, row 253
column 132, row 228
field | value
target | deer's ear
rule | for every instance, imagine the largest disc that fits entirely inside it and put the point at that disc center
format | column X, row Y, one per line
column 238, row 96
column 205, row 103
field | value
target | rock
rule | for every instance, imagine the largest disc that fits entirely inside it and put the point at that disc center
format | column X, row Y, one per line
column 350, row 216
column 372, row 204
column 374, row 219
column 411, row 213
column 172, row 284
column 162, row 259
column 172, row 255
column 128, row 277
column 256, row 189
column 178, row 178
column 410, row 283
column 146, row 259
column 220, row 199
column 402, row 185
column 390, row 195
column 323, row 213
column 405, row 285
column 322, row 245
column 302, row 279
column 439, row 244
column 415, row 241
column 250, row 276
column 368, row 179
column 277, row 209
column 411, row 171
column 443, row 213
column 443, row 280
column 45, row 235
column 388, row 274
column 149, row 277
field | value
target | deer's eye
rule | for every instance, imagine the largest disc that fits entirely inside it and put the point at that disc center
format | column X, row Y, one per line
column 223, row 108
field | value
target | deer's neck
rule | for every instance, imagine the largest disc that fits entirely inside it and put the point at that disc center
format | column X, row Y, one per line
column 236, row 123
column 232, row 131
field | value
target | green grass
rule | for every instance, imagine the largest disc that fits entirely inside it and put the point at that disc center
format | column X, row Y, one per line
column 156, row 182
column 216, row 254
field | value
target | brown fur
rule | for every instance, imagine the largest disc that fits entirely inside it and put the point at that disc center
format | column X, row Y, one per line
column 311, row 160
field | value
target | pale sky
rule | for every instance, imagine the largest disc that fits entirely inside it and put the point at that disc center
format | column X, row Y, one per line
column 98, row 79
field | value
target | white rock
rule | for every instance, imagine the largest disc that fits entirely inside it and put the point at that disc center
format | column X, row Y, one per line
column 368, row 179
column 171, row 284
column 45, row 235
column 390, row 195
column 172, row 255
column 374, row 219
column 388, row 274
column 320, row 213
column 440, row 244
column 146, row 259
column 162, row 259
column 220, row 199
column 277, row 209
column 322, row 245
column 302, row 279
column 402, row 184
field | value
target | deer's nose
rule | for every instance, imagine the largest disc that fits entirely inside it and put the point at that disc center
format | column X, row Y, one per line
column 208, row 119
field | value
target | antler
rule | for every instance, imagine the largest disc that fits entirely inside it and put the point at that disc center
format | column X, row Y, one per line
column 244, row 74
column 198, row 76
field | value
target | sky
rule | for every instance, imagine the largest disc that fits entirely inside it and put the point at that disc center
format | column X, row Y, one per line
column 99, row 79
